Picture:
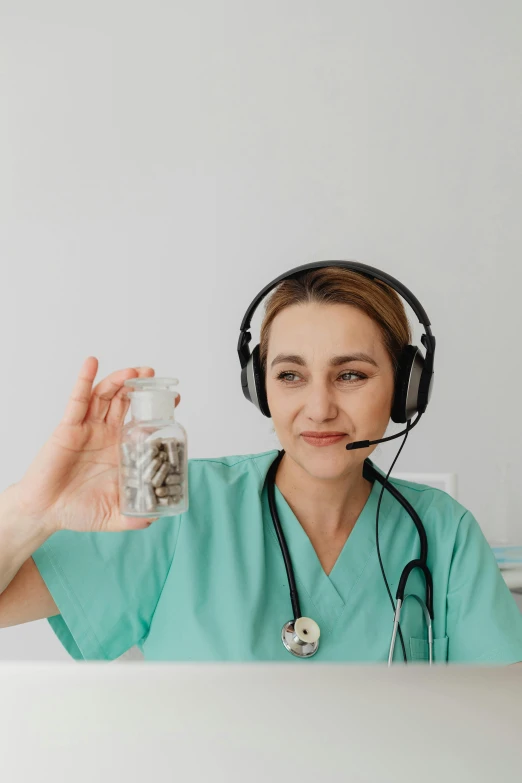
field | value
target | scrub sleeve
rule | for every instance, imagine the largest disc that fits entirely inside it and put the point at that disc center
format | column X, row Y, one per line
column 106, row 585
column 484, row 623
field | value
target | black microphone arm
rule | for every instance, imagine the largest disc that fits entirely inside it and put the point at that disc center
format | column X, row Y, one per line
column 364, row 444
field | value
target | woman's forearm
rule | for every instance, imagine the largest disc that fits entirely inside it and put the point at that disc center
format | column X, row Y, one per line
column 20, row 535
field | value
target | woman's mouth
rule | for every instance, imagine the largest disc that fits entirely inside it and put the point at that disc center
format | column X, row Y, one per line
column 322, row 439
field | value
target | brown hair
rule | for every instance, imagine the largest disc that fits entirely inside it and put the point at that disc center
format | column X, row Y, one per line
column 336, row 285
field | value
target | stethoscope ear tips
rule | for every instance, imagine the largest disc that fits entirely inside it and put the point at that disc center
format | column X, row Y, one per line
column 301, row 637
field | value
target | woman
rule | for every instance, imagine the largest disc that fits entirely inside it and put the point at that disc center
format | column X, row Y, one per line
column 211, row 584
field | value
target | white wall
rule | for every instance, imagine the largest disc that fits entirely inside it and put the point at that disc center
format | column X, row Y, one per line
column 161, row 162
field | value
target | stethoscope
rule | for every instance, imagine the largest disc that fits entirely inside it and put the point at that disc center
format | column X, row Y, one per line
column 300, row 636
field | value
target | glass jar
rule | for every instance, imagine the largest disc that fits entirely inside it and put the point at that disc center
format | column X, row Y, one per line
column 153, row 471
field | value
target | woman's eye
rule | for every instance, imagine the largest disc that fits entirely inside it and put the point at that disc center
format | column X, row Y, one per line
column 355, row 376
column 283, row 376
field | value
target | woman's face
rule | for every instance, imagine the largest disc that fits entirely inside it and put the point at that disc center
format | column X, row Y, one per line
column 327, row 371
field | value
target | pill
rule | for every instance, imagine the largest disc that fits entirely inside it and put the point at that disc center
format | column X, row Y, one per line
column 173, row 479
column 163, row 501
column 138, row 500
column 132, row 483
column 160, row 476
column 149, row 497
column 161, row 492
column 170, row 447
column 151, row 469
column 127, row 455
column 163, row 456
column 146, row 455
column 146, row 447
column 130, row 473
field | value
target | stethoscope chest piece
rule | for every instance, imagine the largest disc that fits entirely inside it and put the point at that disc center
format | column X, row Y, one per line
column 301, row 637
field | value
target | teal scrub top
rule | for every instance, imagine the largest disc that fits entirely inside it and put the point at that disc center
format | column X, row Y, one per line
column 210, row 584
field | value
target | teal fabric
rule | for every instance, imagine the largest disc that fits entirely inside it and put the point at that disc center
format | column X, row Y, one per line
column 210, row 584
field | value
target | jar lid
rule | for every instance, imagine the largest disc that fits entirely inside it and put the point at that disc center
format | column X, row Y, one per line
column 152, row 398
column 151, row 384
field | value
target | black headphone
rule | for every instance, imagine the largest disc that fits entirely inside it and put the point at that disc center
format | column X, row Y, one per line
column 414, row 377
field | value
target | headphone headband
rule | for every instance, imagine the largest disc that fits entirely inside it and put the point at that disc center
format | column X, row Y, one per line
column 355, row 266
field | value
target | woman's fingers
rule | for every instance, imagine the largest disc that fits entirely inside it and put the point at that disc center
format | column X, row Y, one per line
column 107, row 400
column 81, row 394
column 105, row 392
column 118, row 409
column 119, row 404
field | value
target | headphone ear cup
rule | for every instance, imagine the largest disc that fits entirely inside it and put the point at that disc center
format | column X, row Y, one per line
column 258, row 378
column 407, row 382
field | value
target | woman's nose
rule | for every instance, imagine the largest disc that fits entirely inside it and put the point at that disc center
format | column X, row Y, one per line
column 320, row 402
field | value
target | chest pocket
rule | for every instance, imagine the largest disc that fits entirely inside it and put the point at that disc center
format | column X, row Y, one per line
column 419, row 649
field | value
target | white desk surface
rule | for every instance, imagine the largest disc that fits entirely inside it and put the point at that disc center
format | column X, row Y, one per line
column 87, row 722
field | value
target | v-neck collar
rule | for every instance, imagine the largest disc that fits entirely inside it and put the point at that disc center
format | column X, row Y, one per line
column 329, row 593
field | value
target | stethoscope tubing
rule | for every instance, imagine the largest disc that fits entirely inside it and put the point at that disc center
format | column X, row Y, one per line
column 370, row 473
column 294, row 595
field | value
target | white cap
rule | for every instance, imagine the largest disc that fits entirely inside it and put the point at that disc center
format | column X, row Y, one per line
column 152, row 398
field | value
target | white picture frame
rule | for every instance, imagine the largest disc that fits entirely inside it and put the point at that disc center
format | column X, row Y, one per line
column 445, row 481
